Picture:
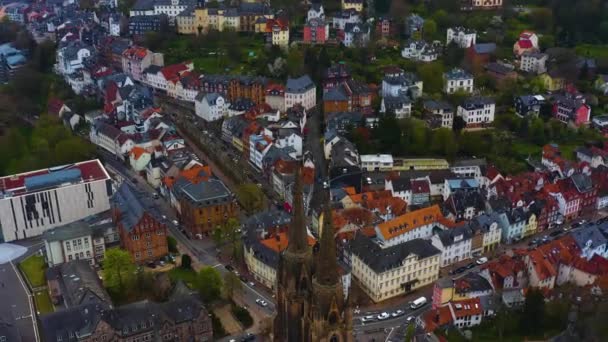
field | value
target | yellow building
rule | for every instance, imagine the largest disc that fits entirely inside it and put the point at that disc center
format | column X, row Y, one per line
column 384, row 273
column 186, row 22
column 552, row 82
column 280, row 36
column 531, row 225
column 403, row 164
column 357, row 5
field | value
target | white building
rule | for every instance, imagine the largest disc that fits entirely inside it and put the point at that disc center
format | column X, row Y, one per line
column 399, row 82
column 534, row 62
column 466, row 313
column 33, row 202
column 356, row 35
column 384, row 273
column 85, row 239
column 454, row 244
column 457, row 80
column 316, row 11
column 105, row 136
column 416, row 224
column 477, row 112
column 172, row 8
column 376, row 162
column 419, row 50
column 340, row 19
column 71, row 57
column 114, row 25
column 463, row 37
column 300, row 91
column 258, row 147
column 211, row 107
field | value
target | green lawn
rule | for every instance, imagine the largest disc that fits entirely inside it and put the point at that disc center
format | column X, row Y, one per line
column 33, row 268
column 596, row 51
column 43, row 302
column 187, row 276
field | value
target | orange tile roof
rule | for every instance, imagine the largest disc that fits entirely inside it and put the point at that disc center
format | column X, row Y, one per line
column 137, row 152
column 197, row 174
column 434, row 319
column 279, row 242
column 308, row 175
column 409, row 221
column 544, row 269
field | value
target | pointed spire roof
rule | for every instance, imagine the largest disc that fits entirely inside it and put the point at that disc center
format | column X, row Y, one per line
column 327, row 267
column 298, row 237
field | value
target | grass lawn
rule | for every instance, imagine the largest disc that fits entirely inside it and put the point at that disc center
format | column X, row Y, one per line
column 33, row 268
column 187, row 276
column 596, row 51
column 43, row 302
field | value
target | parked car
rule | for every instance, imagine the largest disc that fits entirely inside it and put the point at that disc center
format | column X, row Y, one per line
column 482, row 261
column 470, row 265
column 261, row 302
column 409, row 319
column 151, row 265
column 369, row 318
column 243, row 279
column 248, row 337
column 398, row 313
column 229, row 267
column 383, row 316
column 460, row 270
column 555, row 233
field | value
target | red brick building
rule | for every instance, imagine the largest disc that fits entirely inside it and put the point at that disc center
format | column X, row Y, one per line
column 316, row 31
column 142, row 231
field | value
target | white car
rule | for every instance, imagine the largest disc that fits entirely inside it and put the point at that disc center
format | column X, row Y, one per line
column 397, row 313
column 369, row 318
column 409, row 319
column 383, row 316
column 482, row 260
column 261, row 302
column 175, row 222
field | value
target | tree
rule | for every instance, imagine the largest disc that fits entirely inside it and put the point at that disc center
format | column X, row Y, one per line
column 431, row 75
column 250, row 197
column 186, row 262
column 295, row 63
column 429, row 29
column 411, row 331
column 172, row 244
column 444, row 143
column 209, row 284
column 118, row 270
column 217, row 236
column 232, row 285
column 388, row 133
column 534, row 312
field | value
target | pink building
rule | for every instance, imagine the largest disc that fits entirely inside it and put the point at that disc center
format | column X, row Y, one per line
column 316, row 31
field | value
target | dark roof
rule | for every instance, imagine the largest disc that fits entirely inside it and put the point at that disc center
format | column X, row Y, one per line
column 383, row 259
column 448, row 237
column 132, row 206
column 436, row 105
column 485, row 48
column 582, row 182
column 299, row 85
column 473, row 103
column 79, row 283
column 63, row 325
column 205, row 193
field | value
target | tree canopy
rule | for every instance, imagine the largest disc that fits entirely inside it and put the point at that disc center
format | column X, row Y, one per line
column 209, row 284
column 118, row 271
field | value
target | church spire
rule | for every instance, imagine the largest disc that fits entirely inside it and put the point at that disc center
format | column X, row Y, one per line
column 327, row 267
column 298, row 236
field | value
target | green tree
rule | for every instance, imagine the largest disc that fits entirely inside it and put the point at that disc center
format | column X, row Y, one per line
column 232, row 285
column 537, row 131
column 172, row 244
column 431, row 75
column 217, row 236
column 209, row 284
column 388, row 133
column 295, row 63
column 533, row 316
column 231, row 231
column 250, row 197
column 411, row 331
column 444, row 143
column 186, row 262
column 429, row 29
column 118, row 271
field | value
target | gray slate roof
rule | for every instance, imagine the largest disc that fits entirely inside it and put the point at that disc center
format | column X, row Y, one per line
column 381, row 260
column 132, row 206
column 79, row 283
column 299, row 85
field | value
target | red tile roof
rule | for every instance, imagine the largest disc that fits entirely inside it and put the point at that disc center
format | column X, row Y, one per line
column 279, row 242
column 466, row 307
column 410, row 221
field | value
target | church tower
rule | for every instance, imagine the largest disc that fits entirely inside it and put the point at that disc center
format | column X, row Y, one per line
column 294, row 277
column 331, row 312
column 310, row 300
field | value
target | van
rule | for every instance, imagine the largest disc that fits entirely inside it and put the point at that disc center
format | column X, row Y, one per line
column 418, row 303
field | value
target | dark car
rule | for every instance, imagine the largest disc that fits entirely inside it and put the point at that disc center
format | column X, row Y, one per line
column 151, row 265
column 229, row 267
column 555, row 233
column 471, row 265
column 460, row 269
column 243, row 279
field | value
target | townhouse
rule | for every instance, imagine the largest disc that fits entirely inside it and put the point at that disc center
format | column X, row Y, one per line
column 316, row 31
column 529, row 105
column 419, row 50
column 533, row 62
column 454, row 244
column 136, row 59
column 571, row 108
column 417, row 224
column 438, row 114
column 211, row 106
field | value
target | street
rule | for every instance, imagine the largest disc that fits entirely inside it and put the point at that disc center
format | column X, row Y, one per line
column 203, row 250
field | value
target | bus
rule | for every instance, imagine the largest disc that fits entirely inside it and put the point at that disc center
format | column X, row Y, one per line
column 418, row 303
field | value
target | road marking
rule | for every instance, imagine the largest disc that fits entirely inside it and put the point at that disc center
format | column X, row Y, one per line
column 217, row 265
column 389, row 334
column 29, row 299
